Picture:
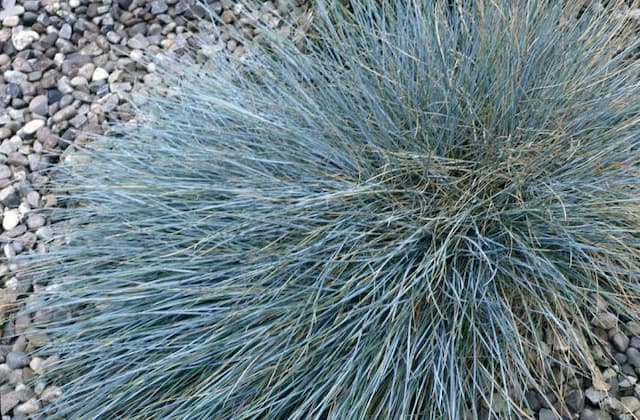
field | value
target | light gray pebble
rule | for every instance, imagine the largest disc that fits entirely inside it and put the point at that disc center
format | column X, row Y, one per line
column 8, row 401
column 37, row 162
column 39, row 386
column 158, row 7
column 16, row 77
column 31, row 5
column 65, row 31
column 138, row 42
column 78, row 121
column 5, row 172
column 44, row 232
column 99, row 74
column 575, row 400
column 78, row 81
column 18, row 159
column 22, row 323
column 35, row 221
column 605, row 320
column 16, row 359
column 594, row 396
column 51, row 393
column 22, row 39
column 634, row 328
column 120, row 87
column 9, row 196
column 5, row 372
column 86, row 70
column 10, row 219
column 10, row 21
column 594, row 415
column 113, row 37
column 32, row 126
column 630, row 404
column 29, row 407
column 24, row 393
column 64, row 114
column 620, row 341
column 633, row 357
column 39, row 105
column 64, row 85
column 547, row 414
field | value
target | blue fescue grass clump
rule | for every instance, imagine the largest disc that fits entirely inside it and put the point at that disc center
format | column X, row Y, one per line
column 383, row 220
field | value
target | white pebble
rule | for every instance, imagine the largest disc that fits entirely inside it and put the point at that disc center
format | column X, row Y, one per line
column 32, row 126
column 10, row 21
column 50, row 393
column 23, row 39
column 36, row 365
column 99, row 74
column 10, row 219
column 29, row 407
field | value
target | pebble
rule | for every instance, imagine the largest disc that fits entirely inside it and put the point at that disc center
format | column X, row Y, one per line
column 10, row 219
column 39, row 105
column 99, row 74
column 35, row 221
column 16, row 359
column 227, row 17
column 594, row 415
column 16, row 77
column 630, row 404
column 605, row 320
column 9, row 8
column 22, row 39
column 620, row 341
column 8, row 401
column 32, row 126
column 51, row 393
column 29, row 407
column 9, row 196
column 65, row 31
column 138, row 42
column 633, row 327
column 5, row 172
column 158, row 7
column 10, row 21
column 594, row 396
column 575, row 400
column 633, row 357
column 64, row 114
column 547, row 414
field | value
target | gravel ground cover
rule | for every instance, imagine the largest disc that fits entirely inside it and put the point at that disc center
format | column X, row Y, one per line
column 66, row 69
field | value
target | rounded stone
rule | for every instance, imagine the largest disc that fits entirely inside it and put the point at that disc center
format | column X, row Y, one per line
column 22, row 39
column 10, row 219
column 39, row 105
column 16, row 359
column 10, row 21
column 99, row 74
column 32, row 126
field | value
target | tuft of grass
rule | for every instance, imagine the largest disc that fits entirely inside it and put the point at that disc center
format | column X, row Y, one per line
column 382, row 220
